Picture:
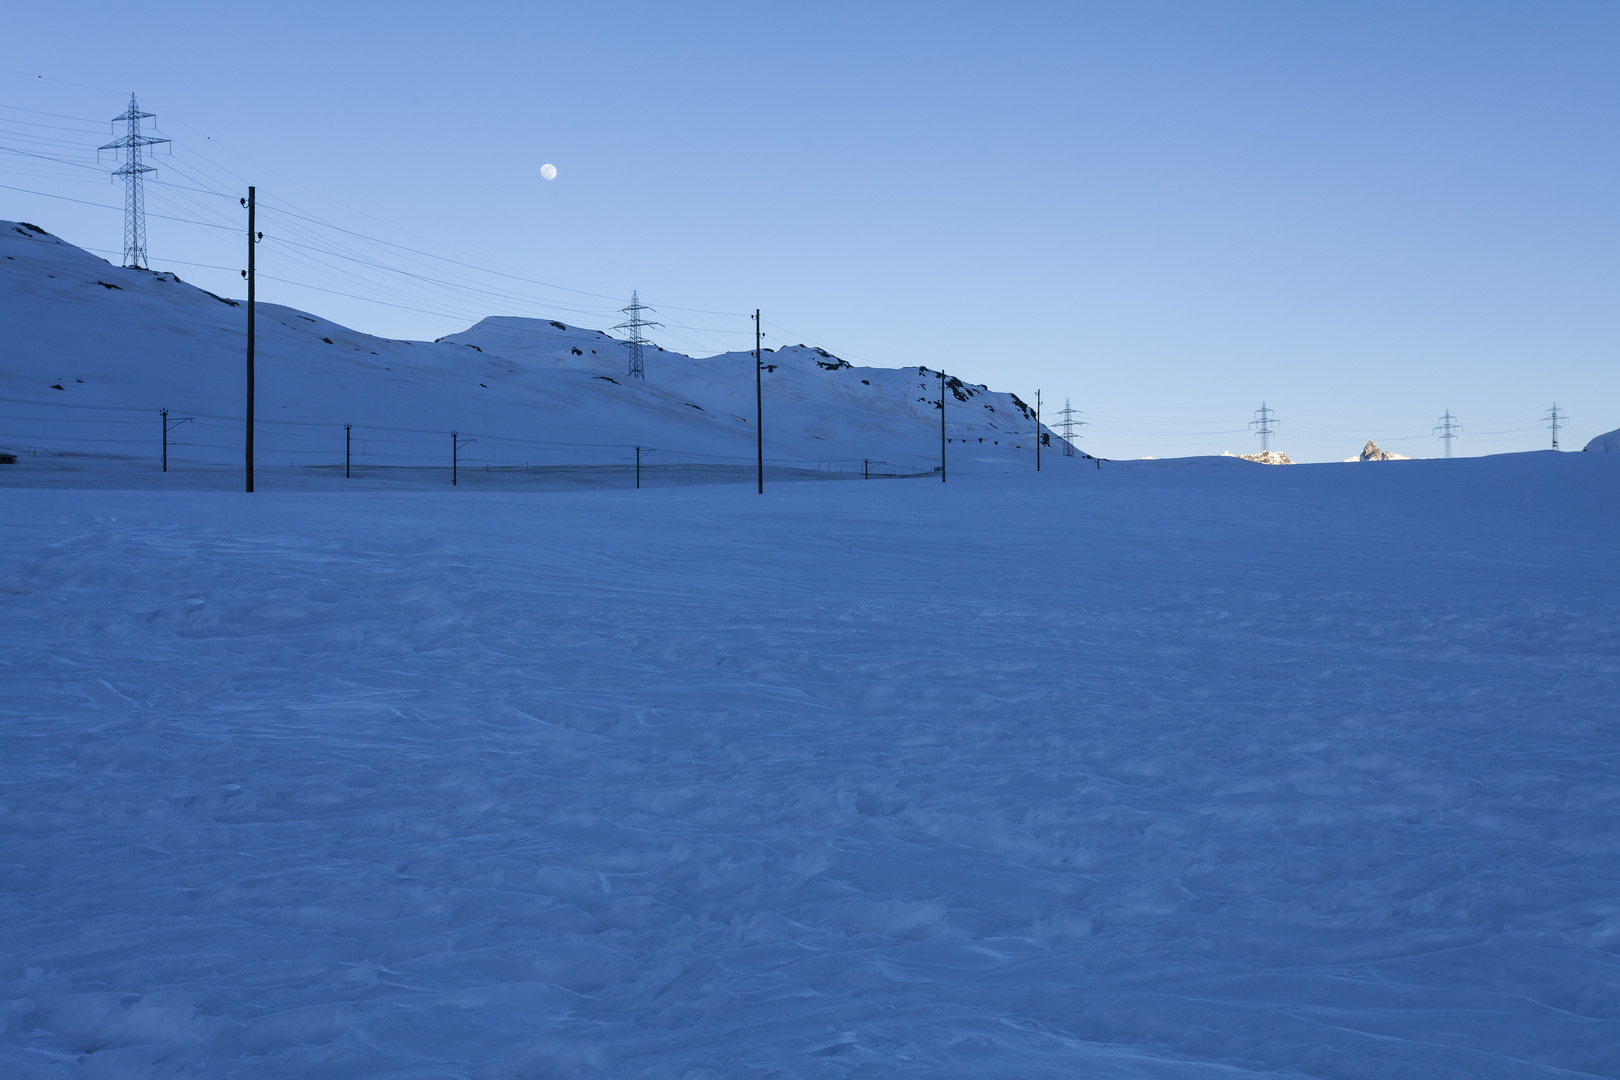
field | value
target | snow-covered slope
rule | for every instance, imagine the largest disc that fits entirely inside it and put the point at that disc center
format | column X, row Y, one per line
column 82, row 337
column 1608, row 441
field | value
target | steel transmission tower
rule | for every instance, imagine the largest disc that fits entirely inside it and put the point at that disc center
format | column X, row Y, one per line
column 1447, row 429
column 129, row 145
column 1554, row 420
column 1068, row 425
column 1264, row 426
column 636, row 340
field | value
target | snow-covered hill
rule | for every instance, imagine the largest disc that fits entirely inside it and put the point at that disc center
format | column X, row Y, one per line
column 1609, row 440
column 84, row 339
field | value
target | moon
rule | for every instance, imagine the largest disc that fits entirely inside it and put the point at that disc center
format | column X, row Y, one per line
column 548, row 172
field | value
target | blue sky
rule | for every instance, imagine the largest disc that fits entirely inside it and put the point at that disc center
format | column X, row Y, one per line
column 1363, row 214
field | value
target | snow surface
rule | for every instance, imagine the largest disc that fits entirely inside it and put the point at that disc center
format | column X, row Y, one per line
column 1608, row 441
column 1147, row 771
column 93, row 351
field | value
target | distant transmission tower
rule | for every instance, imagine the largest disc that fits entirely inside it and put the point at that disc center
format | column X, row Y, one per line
column 1264, row 425
column 1447, row 429
column 1553, row 419
column 130, row 144
column 1068, row 425
column 636, row 340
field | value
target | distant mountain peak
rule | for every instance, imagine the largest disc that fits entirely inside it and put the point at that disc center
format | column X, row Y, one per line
column 1371, row 452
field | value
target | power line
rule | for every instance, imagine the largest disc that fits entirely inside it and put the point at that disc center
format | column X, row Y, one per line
column 636, row 340
column 321, row 247
column 59, row 116
column 1264, row 426
column 48, row 157
column 326, row 224
column 105, row 206
column 1554, row 419
column 131, row 143
column 469, row 288
column 1069, row 423
column 53, row 127
column 457, row 262
column 1447, row 430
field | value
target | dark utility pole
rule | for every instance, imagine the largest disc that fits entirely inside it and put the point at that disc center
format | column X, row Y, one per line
column 942, row 427
column 455, row 454
column 1037, row 431
column 252, row 209
column 638, row 468
column 346, row 451
column 168, row 427
column 759, row 403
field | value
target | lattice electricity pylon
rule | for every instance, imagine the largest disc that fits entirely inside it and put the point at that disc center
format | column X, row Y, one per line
column 130, row 143
column 1555, row 419
column 1068, row 425
column 1447, row 429
column 636, row 340
column 1265, row 426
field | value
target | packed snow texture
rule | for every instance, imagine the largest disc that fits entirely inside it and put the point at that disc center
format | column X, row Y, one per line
column 93, row 352
column 1151, row 771
column 1608, row 441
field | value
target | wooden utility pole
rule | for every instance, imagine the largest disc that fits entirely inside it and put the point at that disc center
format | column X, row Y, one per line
column 252, row 209
column 346, row 428
column 942, row 427
column 759, row 403
column 1037, row 431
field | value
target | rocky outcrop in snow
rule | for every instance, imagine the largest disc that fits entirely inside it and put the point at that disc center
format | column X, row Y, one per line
column 1370, row 452
column 1264, row 457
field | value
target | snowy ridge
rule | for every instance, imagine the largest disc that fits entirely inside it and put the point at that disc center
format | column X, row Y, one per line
column 1609, row 441
column 84, row 335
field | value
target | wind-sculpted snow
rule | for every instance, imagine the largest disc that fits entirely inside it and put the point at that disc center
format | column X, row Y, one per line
column 1140, row 772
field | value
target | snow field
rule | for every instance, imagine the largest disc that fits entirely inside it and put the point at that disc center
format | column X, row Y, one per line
column 1146, row 772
